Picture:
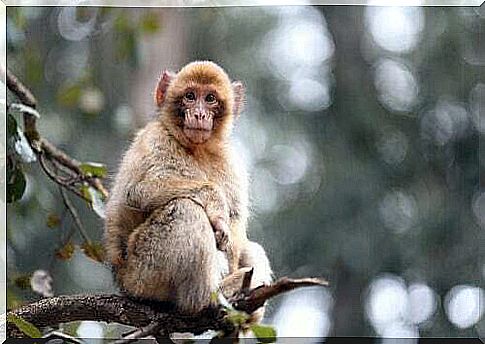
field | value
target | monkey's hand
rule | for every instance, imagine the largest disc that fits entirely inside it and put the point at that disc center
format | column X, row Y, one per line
column 218, row 213
column 221, row 233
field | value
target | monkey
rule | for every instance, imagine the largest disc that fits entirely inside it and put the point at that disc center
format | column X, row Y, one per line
column 176, row 217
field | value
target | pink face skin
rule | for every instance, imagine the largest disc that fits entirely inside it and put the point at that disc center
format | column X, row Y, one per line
column 200, row 108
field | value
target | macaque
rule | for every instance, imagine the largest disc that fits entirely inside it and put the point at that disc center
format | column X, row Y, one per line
column 177, row 214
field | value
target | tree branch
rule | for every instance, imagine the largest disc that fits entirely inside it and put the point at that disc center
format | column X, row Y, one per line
column 75, row 216
column 258, row 296
column 144, row 315
column 151, row 329
column 41, row 146
column 22, row 92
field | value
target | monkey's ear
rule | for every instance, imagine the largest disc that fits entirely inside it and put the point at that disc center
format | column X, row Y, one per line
column 161, row 90
column 239, row 97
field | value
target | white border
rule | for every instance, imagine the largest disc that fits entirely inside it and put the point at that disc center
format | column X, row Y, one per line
column 157, row 3
column 232, row 3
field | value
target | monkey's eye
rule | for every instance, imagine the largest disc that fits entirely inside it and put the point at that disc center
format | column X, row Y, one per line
column 190, row 96
column 210, row 98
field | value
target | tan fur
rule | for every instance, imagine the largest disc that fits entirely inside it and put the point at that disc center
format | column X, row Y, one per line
column 168, row 195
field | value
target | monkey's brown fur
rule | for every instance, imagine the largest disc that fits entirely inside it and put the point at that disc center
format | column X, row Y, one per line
column 177, row 191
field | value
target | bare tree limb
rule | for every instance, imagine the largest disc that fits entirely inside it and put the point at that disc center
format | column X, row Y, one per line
column 258, row 296
column 22, row 92
column 111, row 308
column 141, row 314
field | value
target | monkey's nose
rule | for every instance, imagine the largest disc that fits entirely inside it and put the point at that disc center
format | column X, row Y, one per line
column 200, row 116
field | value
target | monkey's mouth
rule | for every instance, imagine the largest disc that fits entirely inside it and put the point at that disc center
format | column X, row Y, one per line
column 197, row 135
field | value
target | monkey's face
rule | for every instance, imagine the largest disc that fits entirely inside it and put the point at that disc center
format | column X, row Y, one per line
column 200, row 111
column 199, row 104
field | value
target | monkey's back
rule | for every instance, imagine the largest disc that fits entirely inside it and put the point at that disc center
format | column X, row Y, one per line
column 152, row 153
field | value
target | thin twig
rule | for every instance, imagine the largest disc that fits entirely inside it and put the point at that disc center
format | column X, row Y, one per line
column 151, row 329
column 73, row 164
column 55, row 178
column 75, row 216
column 71, row 230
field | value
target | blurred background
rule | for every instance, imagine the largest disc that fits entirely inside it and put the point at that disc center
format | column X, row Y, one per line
column 361, row 133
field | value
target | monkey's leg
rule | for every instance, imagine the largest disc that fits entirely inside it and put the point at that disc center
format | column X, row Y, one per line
column 120, row 220
column 150, row 194
column 172, row 257
column 253, row 257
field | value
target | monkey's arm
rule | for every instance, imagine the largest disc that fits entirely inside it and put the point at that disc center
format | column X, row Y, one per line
column 150, row 194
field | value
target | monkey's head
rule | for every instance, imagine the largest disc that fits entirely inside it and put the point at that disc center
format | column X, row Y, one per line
column 199, row 103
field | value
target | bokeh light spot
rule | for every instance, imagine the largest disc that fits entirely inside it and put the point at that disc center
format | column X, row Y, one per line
column 304, row 313
column 71, row 28
column 393, row 147
column 387, row 302
column 446, row 122
column 289, row 164
column 398, row 211
column 396, row 29
column 464, row 305
column 396, row 85
column 422, row 303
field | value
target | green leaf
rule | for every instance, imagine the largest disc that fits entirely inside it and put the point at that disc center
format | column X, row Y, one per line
column 23, row 325
column 53, row 220
column 15, row 182
column 122, row 24
column 68, row 96
column 22, row 281
column 13, row 300
column 65, row 252
column 97, row 202
column 19, row 18
column 150, row 23
column 93, row 250
column 12, row 127
column 34, row 66
column 237, row 318
column 126, row 47
column 70, row 328
column 94, row 169
column 85, row 192
column 264, row 333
